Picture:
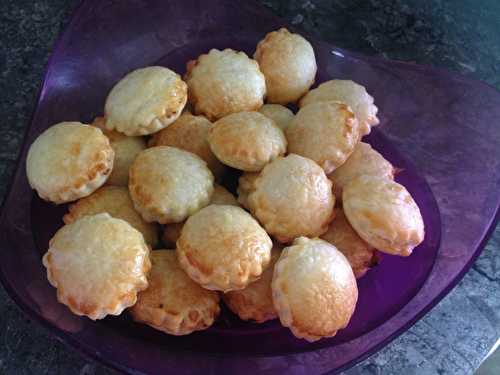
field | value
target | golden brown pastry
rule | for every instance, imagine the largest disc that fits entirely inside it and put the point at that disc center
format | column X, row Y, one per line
column 125, row 148
column 246, row 140
column 173, row 303
column 145, row 101
column 288, row 63
column 190, row 133
column 363, row 161
column 361, row 256
column 246, row 184
column 350, row 93
column 116, row 201
column 223, row 248
column 325, row 132
column 224, row 82
column 98, row 265
column 168, row 184
column 292, row 198
column 255, row 302
column 69, row 161
column 314, row 289
column 384, row 214
column 281, row 115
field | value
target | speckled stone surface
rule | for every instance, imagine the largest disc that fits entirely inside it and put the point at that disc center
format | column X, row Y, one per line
column 458, row 35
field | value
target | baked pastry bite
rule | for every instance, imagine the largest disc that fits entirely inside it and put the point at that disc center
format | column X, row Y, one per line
column 314, row 289
column 168, row 184
column 246, row 140
column 223, row 248
column 220, row 195
column 246, row 184
column 125, row 148
column 190, row 133
column 292, row 197
column 363, row 161
column 116, row 201
column 98, row 265
column 350, row 93
column 224, row 82
column 288, row 63
column 69, row 161
column 361, row 255
column 325, row 132
column 384, row 214
column 255, row 302
column 280, row 114
column 145, row 101
column 173, row 303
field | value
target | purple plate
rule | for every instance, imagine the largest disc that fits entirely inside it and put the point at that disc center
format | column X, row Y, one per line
column 446, row 126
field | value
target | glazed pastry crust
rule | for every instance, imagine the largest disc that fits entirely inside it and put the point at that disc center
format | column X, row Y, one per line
column 69, row 161
column 190, row 133
column 145, row 101
column 292, row 198
column 255, row 302
column 288, row 63
column 114, row 200
column 173, row 303
column 361, row 256
column 168, row 184
column 281, row 115
column 126, row 149
column 98, row 265
column 225, row 82
column 350, row 93
column 314, row 289
column 363, row 161
column 384, row 214
column 246, row 140
column 325, row 132
column 223, row 248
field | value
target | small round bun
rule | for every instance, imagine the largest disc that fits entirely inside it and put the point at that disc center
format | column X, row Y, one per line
column 98, row 265
column 350, row 93
column 384, row 214
column 246, row 184
column 173, row 303
column 223, row 248
column 69, row 161
column 325, row 132
column 145, row 101
column 361, row 256
column 225, row 82
column 116, row 201
column 292, row 198
column 288, row 63
column 190, row 133
column 168, row 184
column 314, row 289
column 363, row 161
column 281, row 115
column 126, row 149
column 255, row 302
column 247, row 140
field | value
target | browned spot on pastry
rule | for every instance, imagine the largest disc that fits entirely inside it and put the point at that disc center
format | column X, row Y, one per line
column 75, row 149
column 193, row 315
column 202, row 268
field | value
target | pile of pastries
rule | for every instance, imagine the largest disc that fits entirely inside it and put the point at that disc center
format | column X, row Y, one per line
column 314, row 203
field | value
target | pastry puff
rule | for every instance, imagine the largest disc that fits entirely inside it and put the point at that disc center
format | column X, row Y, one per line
column 145, row 101
column 173, row 303
column 281, row 115
column 246, row 184
column 98, row 265
column 384, row 214
column 350, row 93
column 168, row 184
column 69, row 161
column 325, row 132
column 292, row 197
column 314, row 289
column 223, row 248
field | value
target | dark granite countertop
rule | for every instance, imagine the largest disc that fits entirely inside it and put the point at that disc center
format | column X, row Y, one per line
column 460, row 35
